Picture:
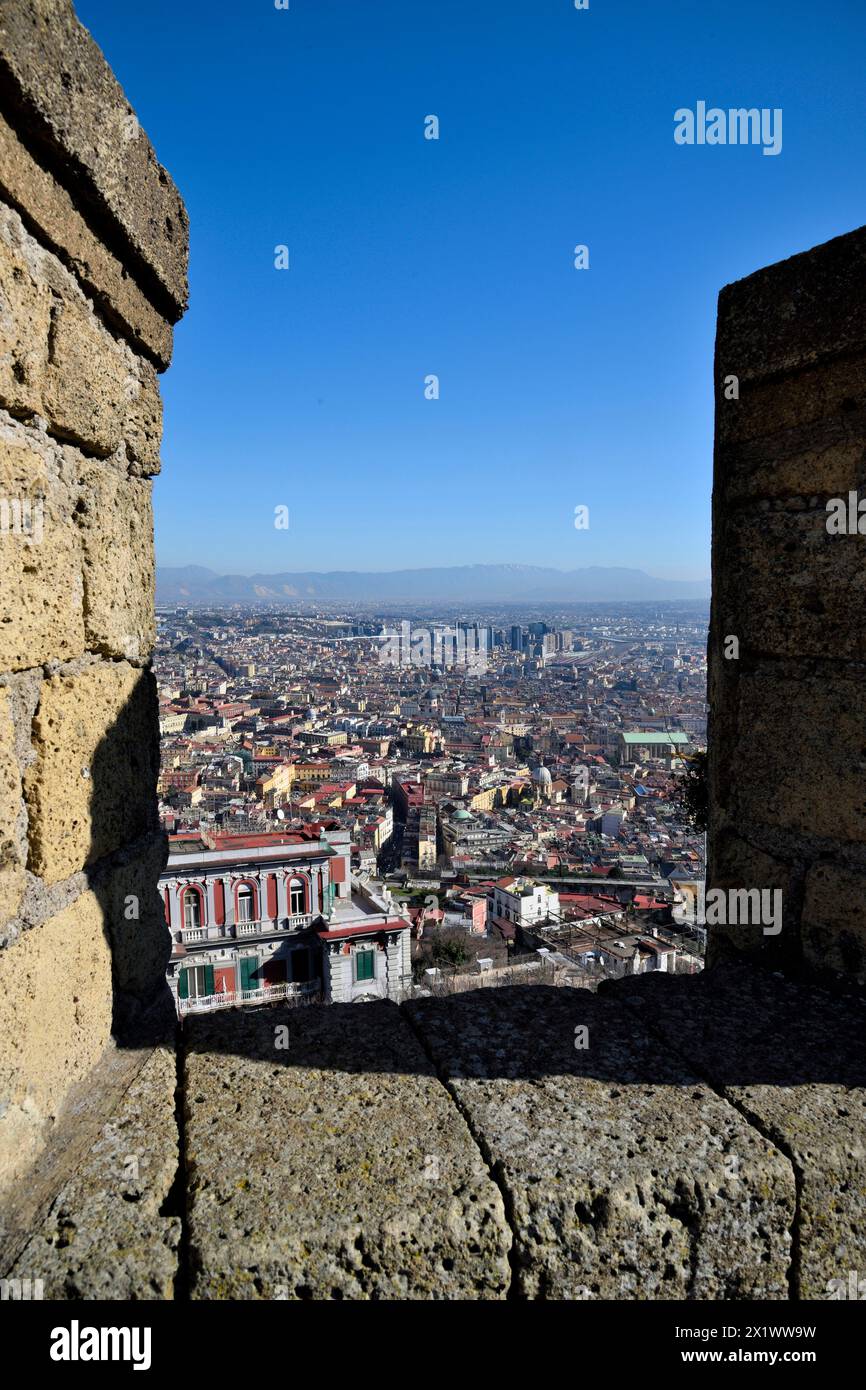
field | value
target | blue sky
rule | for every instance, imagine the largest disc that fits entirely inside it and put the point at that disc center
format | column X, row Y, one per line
column 305, row 388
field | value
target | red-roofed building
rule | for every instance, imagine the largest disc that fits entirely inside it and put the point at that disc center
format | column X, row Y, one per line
column 259, row 917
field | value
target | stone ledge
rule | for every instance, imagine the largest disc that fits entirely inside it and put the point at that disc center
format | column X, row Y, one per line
column 791, row 315
column 50, row 213
column 791, row 1059
column 106, row 1235
column 625, row 1175
column 73, row 107
column 708, row 1143
column 336, row 1168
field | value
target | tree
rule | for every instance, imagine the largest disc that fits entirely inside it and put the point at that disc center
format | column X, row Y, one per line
column 449, row 948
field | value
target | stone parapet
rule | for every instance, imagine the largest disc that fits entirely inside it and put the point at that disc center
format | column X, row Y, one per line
column 93, row 254
column 705, row 1139
column 787, row 647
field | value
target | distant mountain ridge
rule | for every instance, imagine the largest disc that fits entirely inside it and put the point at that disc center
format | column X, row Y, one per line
column 193, row 584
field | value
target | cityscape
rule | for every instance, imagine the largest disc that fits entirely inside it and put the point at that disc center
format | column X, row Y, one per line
column 351, row 817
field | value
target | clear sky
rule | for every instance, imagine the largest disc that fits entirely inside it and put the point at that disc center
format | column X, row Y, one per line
column 408, row 257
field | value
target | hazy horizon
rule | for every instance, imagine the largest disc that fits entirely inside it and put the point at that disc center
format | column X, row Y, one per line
column 655, row 572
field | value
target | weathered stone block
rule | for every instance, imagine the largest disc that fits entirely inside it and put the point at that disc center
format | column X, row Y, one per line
column 96, row 740
column 795, row 313
column 25, row 315
column 41, row 589
column 52, row 65
column 336, row 1168
column 58, row 360
column 55, row 1019
column 625, row 1176
column 834, row 920
column 791, row 1059
column 34, row 191
column 105, row 1235
column 800, row 735
column 11, row 868
column 87, row 382
column 788, row 588
column 96, row 394
column 142, row 423
column 793, row 436
column 115, row 518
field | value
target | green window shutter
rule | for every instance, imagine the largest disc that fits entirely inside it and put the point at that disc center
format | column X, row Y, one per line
column 249, row 965
column 208, row 979
column 364, row 965
column 182, row 986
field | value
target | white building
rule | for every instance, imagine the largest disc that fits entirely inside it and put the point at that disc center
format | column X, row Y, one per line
column 519, row 902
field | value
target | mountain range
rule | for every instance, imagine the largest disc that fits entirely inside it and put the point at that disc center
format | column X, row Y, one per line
column 194, row 585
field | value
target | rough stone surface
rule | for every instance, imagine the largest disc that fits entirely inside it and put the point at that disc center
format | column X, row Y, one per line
column 106, row 1235
column 78, row 571
column 822, row 711
column 810, row 584
column 624, row 1175
column 96, row 742
column 74, row 110
column 25, row 318
column 41, row 585
column 11, row 866
column 88, row 381
column 793, row 1062
column 794, row 436
column 93, row 245
column 57, row 360
column 787, row 740
column 796, row 313
column 834, row 920
column 337, row 1168
column 55, row 1020
column 115, row 518
column 48, row 207
column 707, row 1143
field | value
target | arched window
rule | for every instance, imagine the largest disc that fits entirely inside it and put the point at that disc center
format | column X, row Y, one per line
column 297, row 898
column 245, row 903
column 192, row 908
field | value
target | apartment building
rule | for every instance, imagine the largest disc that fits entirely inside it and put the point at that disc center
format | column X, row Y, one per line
column 255, row 918
column 519, row 902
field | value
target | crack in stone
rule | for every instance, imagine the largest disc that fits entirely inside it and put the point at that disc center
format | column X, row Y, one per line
column 494, row 1167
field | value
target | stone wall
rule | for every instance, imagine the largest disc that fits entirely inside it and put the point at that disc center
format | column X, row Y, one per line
column 93, row 250
column 788, row 715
